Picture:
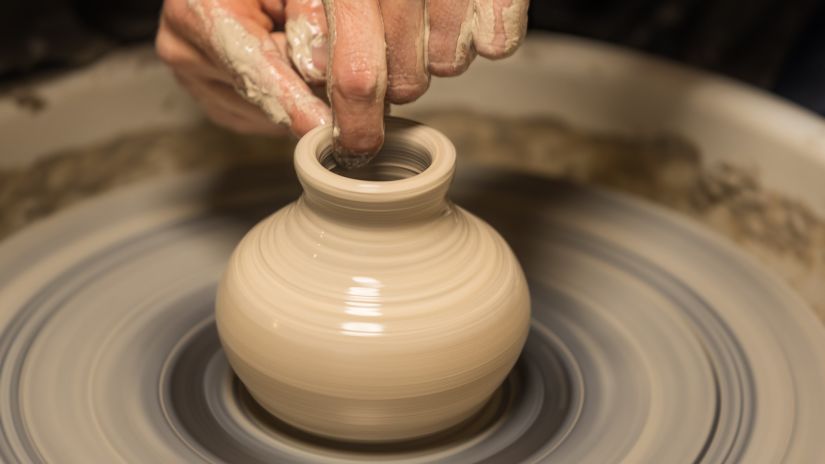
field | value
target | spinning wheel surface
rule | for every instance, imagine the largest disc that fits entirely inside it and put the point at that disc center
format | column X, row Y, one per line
column 652, row 340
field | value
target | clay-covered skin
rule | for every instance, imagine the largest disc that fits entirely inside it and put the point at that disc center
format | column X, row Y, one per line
column 368, row 54
column 373, row 310
column 306, row 33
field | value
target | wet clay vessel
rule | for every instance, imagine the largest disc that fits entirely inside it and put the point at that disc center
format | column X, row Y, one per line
column 372, row 308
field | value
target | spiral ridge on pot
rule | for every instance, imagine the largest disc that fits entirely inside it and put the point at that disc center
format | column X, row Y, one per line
column 400, row 311
column 652, row 340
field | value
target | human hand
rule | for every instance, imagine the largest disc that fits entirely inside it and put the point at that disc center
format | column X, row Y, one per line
column 373, row 51
column 216, row 47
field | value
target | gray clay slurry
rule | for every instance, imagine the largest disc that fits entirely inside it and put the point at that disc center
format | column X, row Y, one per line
column 652, row 340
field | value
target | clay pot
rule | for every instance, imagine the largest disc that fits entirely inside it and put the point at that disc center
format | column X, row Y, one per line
column 372, row 308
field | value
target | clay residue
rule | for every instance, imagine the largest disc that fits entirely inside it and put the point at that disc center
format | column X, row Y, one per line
column 499, row 28
column 515, row 24
column 304, row 37
column 245, row 54
column 783, row 234
column 464, row 43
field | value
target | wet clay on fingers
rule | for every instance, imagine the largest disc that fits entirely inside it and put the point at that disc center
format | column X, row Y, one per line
column 306, row 33
column 263, row 74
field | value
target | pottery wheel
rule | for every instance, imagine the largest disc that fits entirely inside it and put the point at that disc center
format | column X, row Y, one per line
column 652, row 340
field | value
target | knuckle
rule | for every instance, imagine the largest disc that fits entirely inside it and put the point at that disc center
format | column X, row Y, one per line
column 362, row 85
column 357, row 76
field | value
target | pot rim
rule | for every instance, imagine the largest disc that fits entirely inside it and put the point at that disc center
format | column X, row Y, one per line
column 314, row 176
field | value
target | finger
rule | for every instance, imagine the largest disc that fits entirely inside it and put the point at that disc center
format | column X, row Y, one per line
column 318, row 89
column 306, row 33
column 225, row 97
column 242, row 41
column 276, row 10
column 499, row 27
column 183, row 57
column 225, row 107
column 405, row 32
column 239, row 124
column 357, row 79
column 451, row 36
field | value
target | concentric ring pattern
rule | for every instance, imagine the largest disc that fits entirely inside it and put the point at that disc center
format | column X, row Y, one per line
column 395, row 330
column 652, row 340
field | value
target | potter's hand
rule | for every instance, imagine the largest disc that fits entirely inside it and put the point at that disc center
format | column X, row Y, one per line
column 379, row 50
column 216, row 47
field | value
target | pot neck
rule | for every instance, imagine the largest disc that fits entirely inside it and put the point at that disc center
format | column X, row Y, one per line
column 407, row 181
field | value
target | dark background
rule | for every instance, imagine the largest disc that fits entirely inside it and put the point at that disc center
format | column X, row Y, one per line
column 773, row 44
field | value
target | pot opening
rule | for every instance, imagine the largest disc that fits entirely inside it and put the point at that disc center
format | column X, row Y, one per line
column 395, row 161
